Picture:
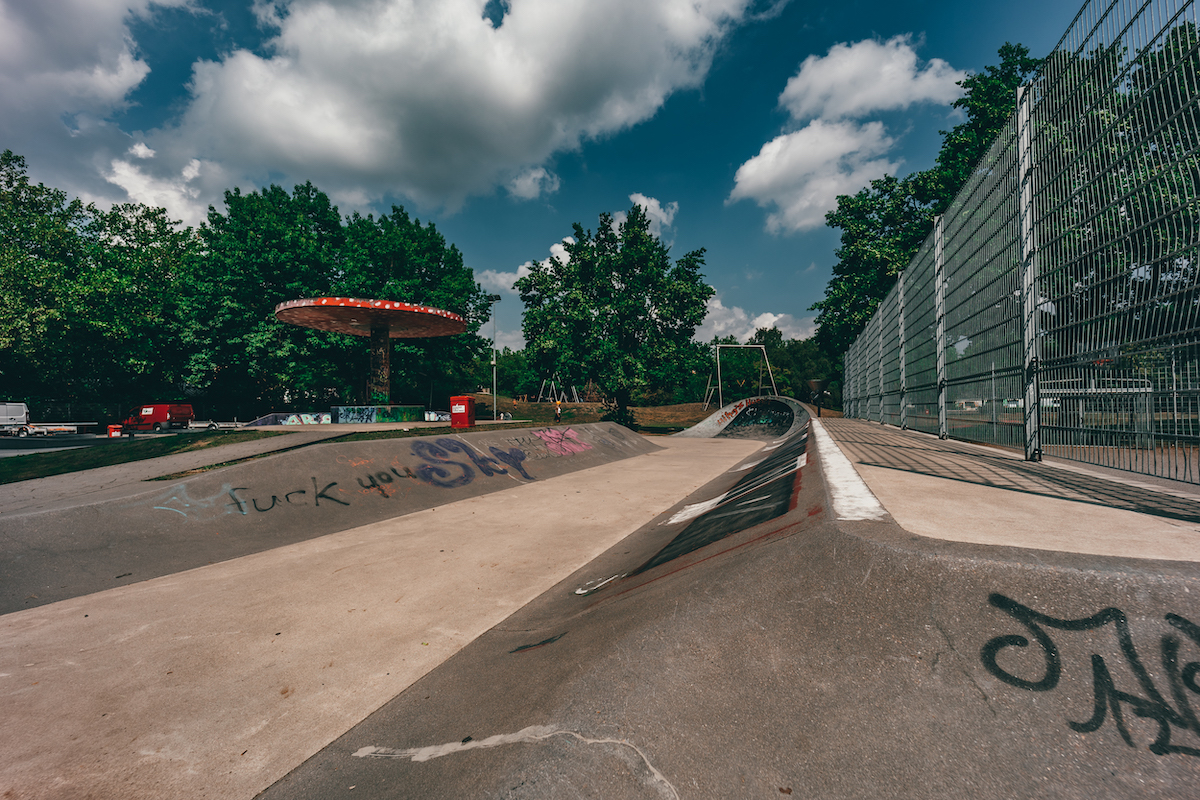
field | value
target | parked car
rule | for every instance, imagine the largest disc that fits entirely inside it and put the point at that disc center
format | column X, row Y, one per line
column 158, row 417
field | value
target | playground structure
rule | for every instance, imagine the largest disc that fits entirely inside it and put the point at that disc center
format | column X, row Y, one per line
column 381, row 320
column 718, row 389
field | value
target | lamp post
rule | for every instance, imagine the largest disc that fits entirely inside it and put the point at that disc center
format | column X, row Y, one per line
column 492, row 300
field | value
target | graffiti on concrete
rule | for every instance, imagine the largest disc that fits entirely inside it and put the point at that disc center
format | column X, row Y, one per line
column 1146, row 702
column 322, row 418
column 440, row 469
column 445, row 463
column 319, row 493
column 562, row 442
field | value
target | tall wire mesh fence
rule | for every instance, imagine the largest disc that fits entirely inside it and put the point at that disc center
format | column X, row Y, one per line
column 1056, row 305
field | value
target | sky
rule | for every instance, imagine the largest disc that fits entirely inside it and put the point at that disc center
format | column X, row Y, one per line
column 735, row 123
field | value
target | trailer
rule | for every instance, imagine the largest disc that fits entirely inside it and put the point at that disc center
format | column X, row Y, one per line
column 213, row 425
column 14, row 421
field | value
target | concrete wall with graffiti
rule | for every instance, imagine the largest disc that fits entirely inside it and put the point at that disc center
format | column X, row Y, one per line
column 378, row 413
column 288, row 497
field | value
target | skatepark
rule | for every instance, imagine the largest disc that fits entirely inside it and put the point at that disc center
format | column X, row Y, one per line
column 778, row 606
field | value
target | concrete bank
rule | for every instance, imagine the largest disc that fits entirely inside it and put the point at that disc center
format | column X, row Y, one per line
column 736, row 651
column 217, row 681
column 142, row 530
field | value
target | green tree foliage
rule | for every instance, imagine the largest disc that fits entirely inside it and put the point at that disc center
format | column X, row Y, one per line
column 884, row 224
column 89, row 316
column 615, row 310
column 271, row 246
column 794, row 363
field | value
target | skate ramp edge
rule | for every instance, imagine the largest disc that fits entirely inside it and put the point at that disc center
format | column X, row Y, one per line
column 754, row 417
column 280, row 499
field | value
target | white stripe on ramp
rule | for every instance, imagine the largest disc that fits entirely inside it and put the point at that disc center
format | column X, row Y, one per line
column 852, row 500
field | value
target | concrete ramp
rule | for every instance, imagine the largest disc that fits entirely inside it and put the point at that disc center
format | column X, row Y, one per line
column 165, row 527
column 770, row 417
column 753, row 642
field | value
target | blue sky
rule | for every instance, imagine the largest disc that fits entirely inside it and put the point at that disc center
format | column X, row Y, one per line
column 734, row 122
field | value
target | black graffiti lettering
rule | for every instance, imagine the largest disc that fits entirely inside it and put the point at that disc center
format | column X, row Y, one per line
column 383, row 477
column 1107, row 699
column 487, row 466
column 408, row 473
column 436, row 473
column 274, row 500
column 237, row 501
column 288, row 496
column 512, row 458
column 321, row 493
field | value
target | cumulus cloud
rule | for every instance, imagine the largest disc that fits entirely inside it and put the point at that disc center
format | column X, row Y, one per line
column 854, row 80
column 66, row 66
column 661, row 217
column 733, row 321
column 495, row 281
column 532, row 183
column 433, row 100
column 801, row 174
column 829, row 149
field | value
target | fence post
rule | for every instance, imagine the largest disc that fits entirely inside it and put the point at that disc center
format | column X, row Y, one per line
column 1029, row 287
column 882, row 394
column 903, row 369
column 939, row 281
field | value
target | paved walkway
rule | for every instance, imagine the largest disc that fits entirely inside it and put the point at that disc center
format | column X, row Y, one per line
column 987, row 495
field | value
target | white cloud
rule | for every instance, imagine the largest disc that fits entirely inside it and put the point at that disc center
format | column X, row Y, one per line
column 429, row 100
column 513, row 340
column 660, row 217
column 533, row 182
column 734, row 321
column 829, row 150
column 802, row 173
column 179, row 193
column 494, row 281
column 854, row 80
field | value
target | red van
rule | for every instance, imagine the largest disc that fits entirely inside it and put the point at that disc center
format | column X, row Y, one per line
column 158, row 417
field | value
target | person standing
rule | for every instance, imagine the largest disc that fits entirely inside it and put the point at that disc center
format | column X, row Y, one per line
column 557, row 411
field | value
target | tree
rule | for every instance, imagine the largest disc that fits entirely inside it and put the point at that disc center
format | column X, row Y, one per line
column 271, row 246
column 395, row 257
column 615, row 310
column 90, row 298
column 885, row 224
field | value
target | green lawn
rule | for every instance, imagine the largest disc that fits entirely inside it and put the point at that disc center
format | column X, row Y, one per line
column 116, row 451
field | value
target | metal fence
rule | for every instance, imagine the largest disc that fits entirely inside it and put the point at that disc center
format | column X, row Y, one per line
column 1056, row 305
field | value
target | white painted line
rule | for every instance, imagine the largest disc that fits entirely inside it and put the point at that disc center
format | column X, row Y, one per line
column 852, row 500
column 695, row 510
column 748, row 466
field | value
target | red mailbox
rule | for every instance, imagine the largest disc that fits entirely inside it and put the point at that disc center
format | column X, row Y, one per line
column 462, row 412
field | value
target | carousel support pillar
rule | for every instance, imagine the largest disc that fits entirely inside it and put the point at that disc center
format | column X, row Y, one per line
column 379, row 387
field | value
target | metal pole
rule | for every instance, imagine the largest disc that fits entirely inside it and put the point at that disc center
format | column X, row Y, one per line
column 492, row 300
column 720, row 394
column 1029, row 291
column 903, row 356
column 939, row 278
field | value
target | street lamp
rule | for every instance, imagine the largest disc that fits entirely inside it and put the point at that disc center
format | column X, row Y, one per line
column 492, row 300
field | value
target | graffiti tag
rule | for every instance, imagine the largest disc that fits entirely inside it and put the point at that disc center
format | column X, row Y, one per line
column 562, row 443
column 1107, row 698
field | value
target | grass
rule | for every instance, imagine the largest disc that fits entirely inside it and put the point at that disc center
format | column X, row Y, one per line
column 115, row 451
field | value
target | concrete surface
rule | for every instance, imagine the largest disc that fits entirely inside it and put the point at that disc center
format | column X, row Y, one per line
column 217, row 681
column 744, row 640
column 146, row 530
column 987, row 495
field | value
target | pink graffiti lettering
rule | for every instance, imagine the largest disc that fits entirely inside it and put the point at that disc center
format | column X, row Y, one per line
column 562, row 443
